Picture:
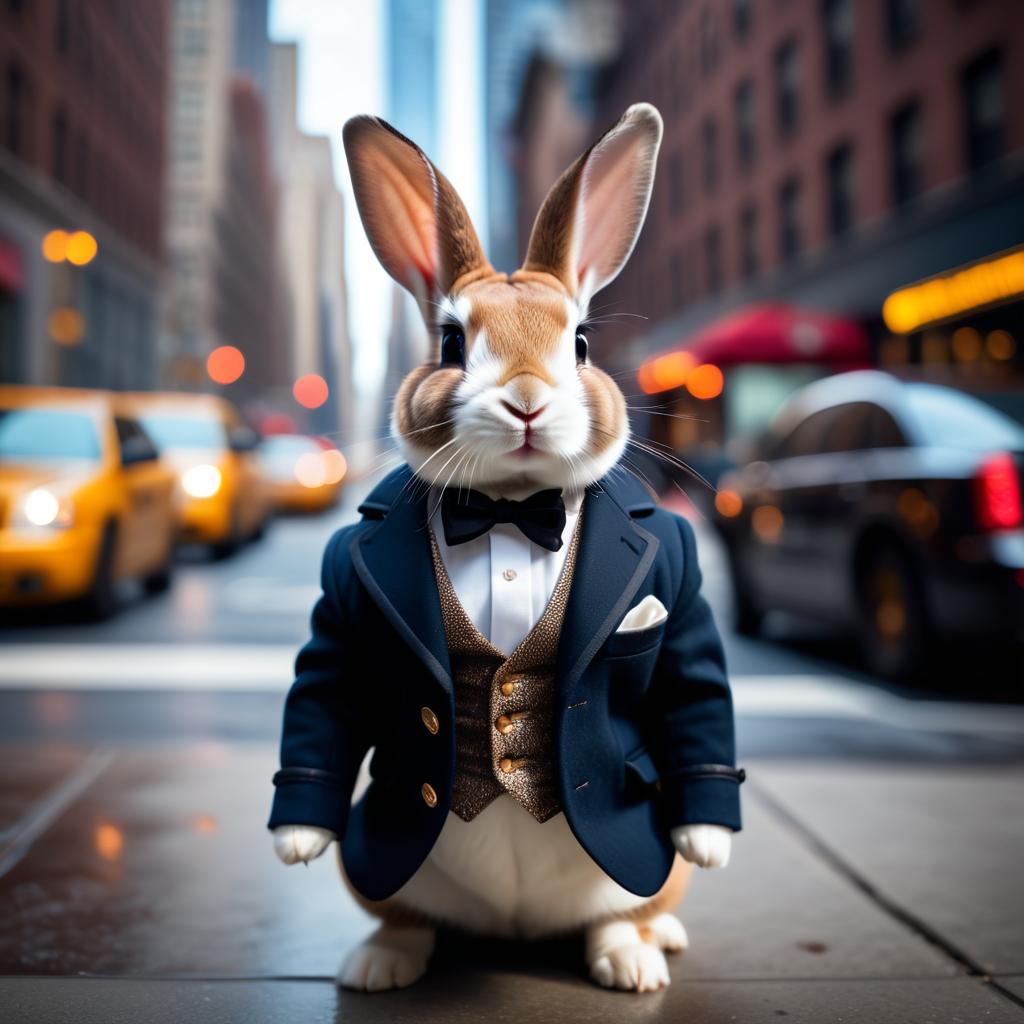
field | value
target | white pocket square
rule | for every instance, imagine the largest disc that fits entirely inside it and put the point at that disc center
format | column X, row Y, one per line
column 650, row 612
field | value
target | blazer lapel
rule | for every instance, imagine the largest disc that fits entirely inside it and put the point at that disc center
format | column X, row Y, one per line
column 393, row 562
column 614, row 558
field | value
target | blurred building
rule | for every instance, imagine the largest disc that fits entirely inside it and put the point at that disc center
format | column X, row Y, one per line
column 223, row 285
column 825, row 153
column 412, row 105
column 572, row 38
column 82, row 95
column 313, row 250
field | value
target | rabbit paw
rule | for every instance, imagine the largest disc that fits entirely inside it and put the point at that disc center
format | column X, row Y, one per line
column 707, row 846
column 619, row 958
column 294, row 843
column 390, row 958
column 667, row 933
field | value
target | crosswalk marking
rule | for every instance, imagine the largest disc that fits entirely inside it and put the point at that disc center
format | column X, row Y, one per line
column 269, row 668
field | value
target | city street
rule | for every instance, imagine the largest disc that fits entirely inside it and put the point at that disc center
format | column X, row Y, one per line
column 877, row 877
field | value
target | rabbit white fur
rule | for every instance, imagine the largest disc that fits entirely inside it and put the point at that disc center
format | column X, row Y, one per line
column 503, row 872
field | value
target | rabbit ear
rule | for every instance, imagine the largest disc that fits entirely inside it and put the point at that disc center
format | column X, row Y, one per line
column 414, row 219
column 592, row 216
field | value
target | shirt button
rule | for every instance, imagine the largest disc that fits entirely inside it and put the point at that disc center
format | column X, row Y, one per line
column 509, row 575
column 429, row 794
column 430, row 721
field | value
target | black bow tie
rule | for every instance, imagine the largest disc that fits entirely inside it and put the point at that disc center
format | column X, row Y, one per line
column 467, row 515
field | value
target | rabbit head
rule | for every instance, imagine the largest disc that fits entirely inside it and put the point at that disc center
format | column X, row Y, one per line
column 510, row 400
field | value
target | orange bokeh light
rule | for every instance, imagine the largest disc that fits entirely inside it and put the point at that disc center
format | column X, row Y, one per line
column 66, row 325
column 55, row 245
column 109, row 841
column 666, row 372
column 225, row 364
column 767, row 522
column 311, row 391
column 81, row 248
column 728, row 503
column 335, row 466
column 705, row 381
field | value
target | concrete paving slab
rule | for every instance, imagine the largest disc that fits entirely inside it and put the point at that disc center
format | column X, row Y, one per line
column 501, row 998
column 944, row 843
column 1014, row 984
column 164, row 867
column 30, row 772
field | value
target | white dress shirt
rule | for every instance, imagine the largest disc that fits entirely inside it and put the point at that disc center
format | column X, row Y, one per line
column 503, row 580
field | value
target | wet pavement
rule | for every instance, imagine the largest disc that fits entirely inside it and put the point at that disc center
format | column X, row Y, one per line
column 877, row 879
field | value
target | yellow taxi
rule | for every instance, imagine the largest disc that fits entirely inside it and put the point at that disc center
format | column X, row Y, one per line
column 222, row 496
column 305, row 474
column 84, row 500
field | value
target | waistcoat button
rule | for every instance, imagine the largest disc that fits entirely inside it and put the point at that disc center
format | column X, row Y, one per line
column 429, row 794
column 430, row 721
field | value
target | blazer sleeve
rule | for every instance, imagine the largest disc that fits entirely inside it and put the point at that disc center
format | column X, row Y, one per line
column 695, row 749
column 326, row 719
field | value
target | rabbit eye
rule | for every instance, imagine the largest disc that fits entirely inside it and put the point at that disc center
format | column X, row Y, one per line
column 453, row 347
column 581, row 347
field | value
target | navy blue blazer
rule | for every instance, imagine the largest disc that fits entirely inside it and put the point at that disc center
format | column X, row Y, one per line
column 643, row 720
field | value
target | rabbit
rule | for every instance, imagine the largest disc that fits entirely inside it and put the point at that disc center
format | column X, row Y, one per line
column 511, row 405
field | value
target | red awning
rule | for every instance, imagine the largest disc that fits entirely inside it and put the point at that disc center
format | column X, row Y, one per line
column 779, row 333
column 12, row 271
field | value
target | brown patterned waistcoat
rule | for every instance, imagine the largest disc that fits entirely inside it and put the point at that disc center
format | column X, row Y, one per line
column 504, row 730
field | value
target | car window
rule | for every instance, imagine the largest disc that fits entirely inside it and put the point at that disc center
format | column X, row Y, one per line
column 950, row 419
column 848, row 431
column 47, row 434
column 883, row 431
column 807, row 437
column 176, row 431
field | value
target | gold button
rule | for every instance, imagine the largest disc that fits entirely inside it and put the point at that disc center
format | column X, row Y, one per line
column 509, row 575
column 509, row 764
column 506, row 723
column 430, row 721
column 508, row 688
column 429, row 794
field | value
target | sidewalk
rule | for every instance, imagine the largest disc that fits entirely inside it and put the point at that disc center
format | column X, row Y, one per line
column 858, row 892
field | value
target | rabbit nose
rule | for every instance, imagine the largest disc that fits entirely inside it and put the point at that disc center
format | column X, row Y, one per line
column 520, row 413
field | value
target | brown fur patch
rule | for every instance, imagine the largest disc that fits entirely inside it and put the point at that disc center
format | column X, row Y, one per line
column 666, row 899
column 423, row 405
column 607, row 409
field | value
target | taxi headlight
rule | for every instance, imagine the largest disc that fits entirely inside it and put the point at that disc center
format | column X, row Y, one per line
column 41, row 507
column 201, row 481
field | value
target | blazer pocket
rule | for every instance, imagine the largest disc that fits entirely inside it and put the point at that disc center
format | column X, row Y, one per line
column 650, row 612
column 634, row 641
column 641, row 773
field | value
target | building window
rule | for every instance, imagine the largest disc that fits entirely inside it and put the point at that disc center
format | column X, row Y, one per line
column 742, row 17
column 16, row 114
column 193, row 41
column 837, row 16
column 902, row 21
column 840, row 191
column 708, row 34
column 749, row 262
column 985, row 109
column 59, row 147
column 676, row 185
column 746, row 124
column 713, row 259
column 787, row 87
column 709, row 141
column 789, row 220
column 906, row 153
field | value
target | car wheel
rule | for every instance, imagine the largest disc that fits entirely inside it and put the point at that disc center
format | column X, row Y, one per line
column 894, row 626
column 100, row 601
column 159, row 581
column 748, row 615
column 227, row 547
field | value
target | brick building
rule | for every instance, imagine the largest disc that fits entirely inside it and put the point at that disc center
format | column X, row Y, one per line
column 82, row 98
column 818, row 152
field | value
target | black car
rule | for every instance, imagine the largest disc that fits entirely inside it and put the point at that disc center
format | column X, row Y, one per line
column 887, row 506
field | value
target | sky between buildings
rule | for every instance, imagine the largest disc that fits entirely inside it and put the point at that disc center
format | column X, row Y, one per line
column 341, row 73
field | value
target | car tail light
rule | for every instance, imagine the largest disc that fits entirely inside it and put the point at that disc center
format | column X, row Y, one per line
column 997, row 496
